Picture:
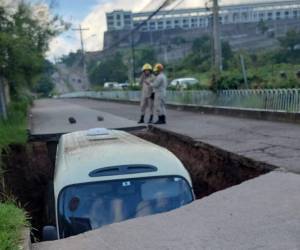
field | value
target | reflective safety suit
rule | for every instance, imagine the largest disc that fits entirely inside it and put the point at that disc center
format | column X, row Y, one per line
column 147, row 100
column 160, row 89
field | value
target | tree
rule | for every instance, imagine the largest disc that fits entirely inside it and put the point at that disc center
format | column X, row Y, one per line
column 45, row 84
column 290, row 41
column 24, row 39
column 201, row 57
column 145, row 55
column 70, row 59
column 111, row 69
column 262, row 26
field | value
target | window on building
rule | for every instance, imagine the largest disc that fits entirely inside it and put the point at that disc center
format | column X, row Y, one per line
column 169, row 24
column 144, row 27
column 118, row 16
column 278, row 15
column 160, row 25
column 176, row 24
column 127, row 16
column 152, row 26
column 185, row 23
column 110, row 17
column 201, row 22
column 287, row 14
column 270, row 16
column 261, row 16
column 118, row 23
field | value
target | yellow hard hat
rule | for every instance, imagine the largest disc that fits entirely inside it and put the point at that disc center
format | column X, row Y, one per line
column 147, row 66
column 158, row 67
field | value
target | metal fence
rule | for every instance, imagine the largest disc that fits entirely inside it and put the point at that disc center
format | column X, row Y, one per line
column 265, row 99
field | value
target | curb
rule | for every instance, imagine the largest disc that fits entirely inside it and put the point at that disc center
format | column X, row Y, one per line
column 26, row 241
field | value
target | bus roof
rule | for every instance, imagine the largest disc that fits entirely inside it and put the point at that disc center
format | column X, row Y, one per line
column 82, row 152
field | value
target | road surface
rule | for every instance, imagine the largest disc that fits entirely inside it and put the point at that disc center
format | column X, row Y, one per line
column 262, row 213
column 274, row 143
column 50, row 116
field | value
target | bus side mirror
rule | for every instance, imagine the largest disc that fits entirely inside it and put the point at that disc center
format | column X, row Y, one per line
column 49, row 233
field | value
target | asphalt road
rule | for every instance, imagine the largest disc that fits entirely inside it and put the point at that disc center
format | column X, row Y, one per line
column 50, row 116
column 274, row 143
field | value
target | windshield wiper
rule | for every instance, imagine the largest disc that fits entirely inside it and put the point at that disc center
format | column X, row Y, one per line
column 122, row 170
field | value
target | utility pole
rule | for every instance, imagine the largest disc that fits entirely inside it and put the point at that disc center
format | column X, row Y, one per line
column 82, row 43
column 244, row 71
column 84, row 72
column 133, row 56
column 217, row 40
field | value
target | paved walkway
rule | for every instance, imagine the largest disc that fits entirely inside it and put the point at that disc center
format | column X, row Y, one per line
column 272, row 142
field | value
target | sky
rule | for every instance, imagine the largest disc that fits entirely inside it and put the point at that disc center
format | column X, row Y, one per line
column 90, row 14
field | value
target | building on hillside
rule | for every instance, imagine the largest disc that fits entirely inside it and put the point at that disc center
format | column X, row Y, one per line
column 119, row 20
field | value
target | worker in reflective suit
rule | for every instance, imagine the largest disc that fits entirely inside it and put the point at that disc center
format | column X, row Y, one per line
column 147, row 95
column 160, row 85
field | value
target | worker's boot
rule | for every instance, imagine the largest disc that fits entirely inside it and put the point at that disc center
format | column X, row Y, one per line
column 163, row 119
column 159, row 121
column 141, row 119
column 150, row 119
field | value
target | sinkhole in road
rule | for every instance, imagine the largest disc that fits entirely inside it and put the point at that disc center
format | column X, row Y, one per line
column 29, row 169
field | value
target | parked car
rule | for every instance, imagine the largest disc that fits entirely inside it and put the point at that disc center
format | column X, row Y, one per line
column 124, row 86
column 183, row 83
column 106, row 176
column 110, row 85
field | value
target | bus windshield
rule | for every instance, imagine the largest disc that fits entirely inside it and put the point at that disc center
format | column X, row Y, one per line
column 89, row 206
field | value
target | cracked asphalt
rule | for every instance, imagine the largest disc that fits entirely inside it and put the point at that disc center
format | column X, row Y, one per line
column 275, row 143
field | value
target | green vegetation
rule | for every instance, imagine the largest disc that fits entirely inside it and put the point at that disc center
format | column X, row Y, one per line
column 268, row 68
column 25, row 33
column 278, row 68
column 116, row 68
column 12, row 222
column 13, row 130
column 24, row 38
column 71, row 58
column 45, row 86
column 112, row 69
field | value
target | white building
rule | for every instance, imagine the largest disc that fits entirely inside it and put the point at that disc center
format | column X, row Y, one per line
column 199, row 17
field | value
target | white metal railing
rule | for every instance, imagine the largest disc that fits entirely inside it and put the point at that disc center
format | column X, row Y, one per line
column 265, row 99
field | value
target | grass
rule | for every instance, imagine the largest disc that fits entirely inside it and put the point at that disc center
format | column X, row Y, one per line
column 13, row 130
column 12, row 222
